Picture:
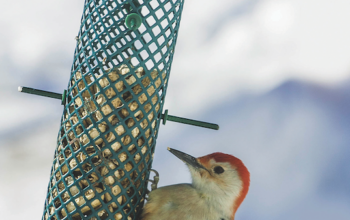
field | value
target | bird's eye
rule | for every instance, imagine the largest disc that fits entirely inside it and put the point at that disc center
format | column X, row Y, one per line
column 218, row 170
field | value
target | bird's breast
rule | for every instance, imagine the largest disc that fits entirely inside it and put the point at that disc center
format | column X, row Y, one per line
column 180, row 202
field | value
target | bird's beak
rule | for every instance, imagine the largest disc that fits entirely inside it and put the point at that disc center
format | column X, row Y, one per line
column 188, row 159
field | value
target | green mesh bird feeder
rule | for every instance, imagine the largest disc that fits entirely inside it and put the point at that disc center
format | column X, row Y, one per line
column 112, row 109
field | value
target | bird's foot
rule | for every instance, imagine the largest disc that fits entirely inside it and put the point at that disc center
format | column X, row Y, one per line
column 154, row 182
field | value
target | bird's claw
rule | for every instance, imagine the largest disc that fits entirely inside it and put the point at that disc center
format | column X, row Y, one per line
column 155, row 180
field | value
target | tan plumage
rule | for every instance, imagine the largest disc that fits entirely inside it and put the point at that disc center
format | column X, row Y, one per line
column 215, row 193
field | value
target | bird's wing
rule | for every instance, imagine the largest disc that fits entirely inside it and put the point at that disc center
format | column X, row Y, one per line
column 165, row 201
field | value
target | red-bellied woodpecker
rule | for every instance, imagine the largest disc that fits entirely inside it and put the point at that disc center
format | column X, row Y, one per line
column 220, row 183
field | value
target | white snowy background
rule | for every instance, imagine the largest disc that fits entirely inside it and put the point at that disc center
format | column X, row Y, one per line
column 274, row 74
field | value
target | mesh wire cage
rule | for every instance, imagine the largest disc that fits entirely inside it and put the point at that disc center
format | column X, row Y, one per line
column 113, row 108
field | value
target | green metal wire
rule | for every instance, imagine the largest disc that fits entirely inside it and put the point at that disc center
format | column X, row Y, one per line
column 112, row 111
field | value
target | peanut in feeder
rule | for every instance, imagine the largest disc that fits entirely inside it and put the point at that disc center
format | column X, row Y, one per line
column 112, row 109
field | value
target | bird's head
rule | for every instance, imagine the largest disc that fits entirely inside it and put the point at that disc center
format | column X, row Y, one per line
column 218, row 175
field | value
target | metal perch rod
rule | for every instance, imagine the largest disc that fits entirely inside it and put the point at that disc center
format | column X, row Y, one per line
column 203, row 124
column 43, row 93
column 164, row 116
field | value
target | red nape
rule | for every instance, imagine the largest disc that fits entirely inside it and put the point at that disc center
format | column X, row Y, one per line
column 238, row 165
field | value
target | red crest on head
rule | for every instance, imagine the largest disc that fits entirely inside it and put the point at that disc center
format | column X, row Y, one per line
column 235, row 163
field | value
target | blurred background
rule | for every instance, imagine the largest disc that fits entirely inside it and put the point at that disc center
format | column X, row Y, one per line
column 274, row 74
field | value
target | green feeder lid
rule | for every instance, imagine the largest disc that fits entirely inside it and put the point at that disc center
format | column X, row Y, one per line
column 133, row 21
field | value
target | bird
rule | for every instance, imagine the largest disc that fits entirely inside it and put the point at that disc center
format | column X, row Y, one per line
column 220, row 182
